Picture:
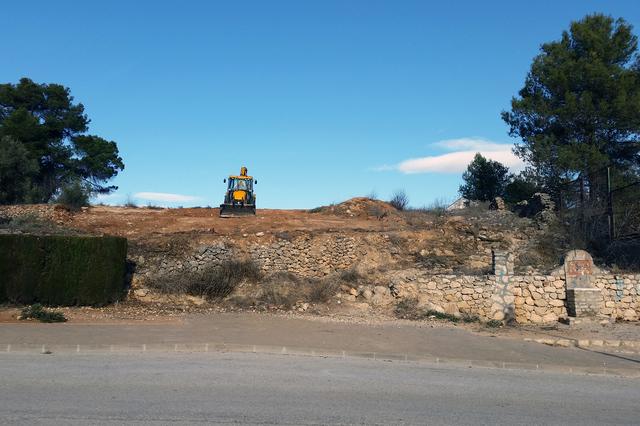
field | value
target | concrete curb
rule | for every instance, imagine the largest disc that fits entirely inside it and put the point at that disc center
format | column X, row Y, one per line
column 427, row 360
column 628, row 346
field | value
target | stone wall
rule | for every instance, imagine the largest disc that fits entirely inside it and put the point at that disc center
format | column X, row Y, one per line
column 502, row 296
column 526, row 299
column 163, row 263
column 306, row 256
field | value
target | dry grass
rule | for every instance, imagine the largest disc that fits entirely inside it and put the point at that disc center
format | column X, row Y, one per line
column 214, row 282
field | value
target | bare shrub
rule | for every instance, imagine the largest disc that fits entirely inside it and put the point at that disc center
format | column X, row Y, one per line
column 214, row 282
column 399, row 200
column 350, row 276
column 130, row 202
column 217, row 282
column 285, row 289
column 397, row 240
column 321, row 291
column 438, row 207
column 408, row 309
column 376, row 211
column 279, row 289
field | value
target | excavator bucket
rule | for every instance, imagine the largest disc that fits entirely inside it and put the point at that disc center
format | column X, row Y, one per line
column 230, row 210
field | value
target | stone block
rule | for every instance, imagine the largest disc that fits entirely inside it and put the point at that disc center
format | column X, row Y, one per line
column 583, row 302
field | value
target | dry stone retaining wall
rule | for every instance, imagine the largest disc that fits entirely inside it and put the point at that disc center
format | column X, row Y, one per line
column 163, row 264
column 502, row 296
column 525, row 299
column 306, row 256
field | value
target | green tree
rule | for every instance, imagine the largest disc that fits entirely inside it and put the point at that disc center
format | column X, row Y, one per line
column 484, row 179
column 52, row 129
column 579, row 109
column 520, row 188
column 17, row 171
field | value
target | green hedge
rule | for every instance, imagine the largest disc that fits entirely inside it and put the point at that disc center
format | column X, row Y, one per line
column 62, row 270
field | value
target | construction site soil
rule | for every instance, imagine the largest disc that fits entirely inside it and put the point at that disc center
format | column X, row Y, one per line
column 442, row 242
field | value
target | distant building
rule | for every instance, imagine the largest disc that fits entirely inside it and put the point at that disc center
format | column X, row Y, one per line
column 459, row 204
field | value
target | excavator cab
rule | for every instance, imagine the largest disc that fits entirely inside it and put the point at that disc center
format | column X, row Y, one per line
column 240, row 199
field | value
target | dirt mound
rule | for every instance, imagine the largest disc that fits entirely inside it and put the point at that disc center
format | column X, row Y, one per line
column 362, row 208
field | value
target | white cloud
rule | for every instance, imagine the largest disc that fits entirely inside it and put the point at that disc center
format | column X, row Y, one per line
column 165, row 197
column 108, row 197
column 470, row 144
column 464, row 149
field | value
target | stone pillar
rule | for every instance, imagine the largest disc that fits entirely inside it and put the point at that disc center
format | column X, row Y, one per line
column 502, row 262
column 584, row 299
column 502, row 299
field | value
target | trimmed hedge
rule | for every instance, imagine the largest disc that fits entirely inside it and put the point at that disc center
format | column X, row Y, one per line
column 62, row 270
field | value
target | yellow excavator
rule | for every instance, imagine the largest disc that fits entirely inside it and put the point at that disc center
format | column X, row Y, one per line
column 239, row 200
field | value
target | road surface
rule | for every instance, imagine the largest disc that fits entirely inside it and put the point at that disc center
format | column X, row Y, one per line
column 236, row 388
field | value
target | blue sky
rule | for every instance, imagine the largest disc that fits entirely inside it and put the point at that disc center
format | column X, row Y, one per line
column 321, row 100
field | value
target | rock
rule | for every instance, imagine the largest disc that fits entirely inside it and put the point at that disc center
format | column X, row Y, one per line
column 382, row 290
column 198, row 301
column 366, row 294
column 141, row 292
column 535, row 318
column 452, row 309
column 497, row 204
column 381, row 300
column 259, row 234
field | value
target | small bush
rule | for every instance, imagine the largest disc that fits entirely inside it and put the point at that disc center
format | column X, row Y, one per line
column 397, row 240
column 350, row 276
column 442, row 315
column 493, row 324
column 377, row 212
column 280, row 289
column 468, row 318
column 219, row 282
column 399, row 200
column 37, row 312
column 74, row 196
column 408, row 309
column 438, row 207
column 321, row 291
column 130, row 202
column 214, row 282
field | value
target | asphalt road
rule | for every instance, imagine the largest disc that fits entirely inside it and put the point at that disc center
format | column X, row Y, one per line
column 236, row 388
column 242, row 331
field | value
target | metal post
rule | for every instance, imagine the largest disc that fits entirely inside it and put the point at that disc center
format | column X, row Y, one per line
column 610, row 206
